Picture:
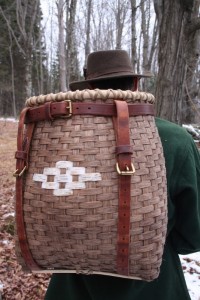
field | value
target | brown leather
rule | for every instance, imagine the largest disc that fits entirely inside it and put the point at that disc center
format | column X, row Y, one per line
column 21, row 155
column 51, row 110
column 47, row 111
column 23, row 146
column 124, row 151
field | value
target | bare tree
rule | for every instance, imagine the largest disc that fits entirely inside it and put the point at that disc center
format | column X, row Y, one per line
column 61, row 46
column 144, row 6
column 148, row 40
column 21, row 20
column 133, row 34
column 88, row 25
column 102, row 26
column 120, row 16
column 154, row 45
column 71, row 46
column 12, row 77
column 26, row 31
column 179, row 26
column 41, row 77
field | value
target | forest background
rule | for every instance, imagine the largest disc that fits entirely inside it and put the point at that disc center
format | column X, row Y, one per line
column 44, row 45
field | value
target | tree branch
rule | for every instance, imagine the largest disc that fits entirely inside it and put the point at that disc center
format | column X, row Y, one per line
column 21, row 15
column 194, row 107
column 35, row 9
column 12, row 32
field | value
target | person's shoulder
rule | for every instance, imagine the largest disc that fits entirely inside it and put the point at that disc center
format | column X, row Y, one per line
column 169, row 128
column 172, row 132
column 176, row 141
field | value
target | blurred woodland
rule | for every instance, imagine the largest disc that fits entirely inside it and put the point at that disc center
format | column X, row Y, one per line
column 42, row 50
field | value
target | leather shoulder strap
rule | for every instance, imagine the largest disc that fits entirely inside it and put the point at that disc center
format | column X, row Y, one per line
column 23, row 146
column 125, row 169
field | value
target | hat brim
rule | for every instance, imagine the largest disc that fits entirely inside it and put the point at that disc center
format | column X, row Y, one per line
column 85, row 84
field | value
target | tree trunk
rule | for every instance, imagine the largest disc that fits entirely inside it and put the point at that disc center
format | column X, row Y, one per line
column 153, row 46
column 177, row 56
column 26, row 23
column 133, row 35
column 72, row 60
column 192, row 36
column 28, row 77
column 87, row 44
column 61, row 46
column 145, row 33
column 120, row 20
column 41, row 77
column 12, row 77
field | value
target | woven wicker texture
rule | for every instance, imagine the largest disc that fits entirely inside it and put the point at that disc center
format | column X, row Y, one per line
column 78, row 232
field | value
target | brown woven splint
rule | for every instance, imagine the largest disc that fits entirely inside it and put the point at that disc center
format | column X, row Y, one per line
column 90, row 185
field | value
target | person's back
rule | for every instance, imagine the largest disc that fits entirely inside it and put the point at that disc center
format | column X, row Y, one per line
column 183, row 236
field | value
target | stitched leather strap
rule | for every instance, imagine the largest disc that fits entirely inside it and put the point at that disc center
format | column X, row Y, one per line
column 23, row 146
column 51, row 110
column 123, row 151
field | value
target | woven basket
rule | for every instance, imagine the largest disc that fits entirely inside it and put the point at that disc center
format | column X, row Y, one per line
column 70, row 191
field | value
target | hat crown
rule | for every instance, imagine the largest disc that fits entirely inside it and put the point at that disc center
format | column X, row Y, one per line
column 108, row 63
column 104, row 65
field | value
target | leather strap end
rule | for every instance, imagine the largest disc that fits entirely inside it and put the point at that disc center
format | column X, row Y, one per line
column 123, row 263
column 123, row 270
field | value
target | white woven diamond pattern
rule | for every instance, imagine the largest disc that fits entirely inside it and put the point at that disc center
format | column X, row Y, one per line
column 66, row 178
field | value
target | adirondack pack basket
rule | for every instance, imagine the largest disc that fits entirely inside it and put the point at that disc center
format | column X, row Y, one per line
column 90, row 185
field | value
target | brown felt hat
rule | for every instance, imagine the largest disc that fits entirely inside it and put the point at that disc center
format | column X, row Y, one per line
column 102, row 65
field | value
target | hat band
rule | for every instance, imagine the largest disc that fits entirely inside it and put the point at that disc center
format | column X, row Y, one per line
column 114, row 71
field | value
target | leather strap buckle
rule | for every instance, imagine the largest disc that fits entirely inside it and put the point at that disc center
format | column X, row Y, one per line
column 68, row 108
column 127, row 172
column 17, row 173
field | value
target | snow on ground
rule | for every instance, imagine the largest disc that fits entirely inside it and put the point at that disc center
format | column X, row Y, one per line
column 191, row 269
column 8, row 119
column 191, row 129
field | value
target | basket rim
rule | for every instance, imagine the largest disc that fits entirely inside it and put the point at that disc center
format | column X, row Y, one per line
column 135, row 96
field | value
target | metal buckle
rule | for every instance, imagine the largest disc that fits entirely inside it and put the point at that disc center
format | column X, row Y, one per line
column 69, row 108
column 127, row 172
column 16, row 174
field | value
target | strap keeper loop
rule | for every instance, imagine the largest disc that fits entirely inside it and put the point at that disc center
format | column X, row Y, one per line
column 123, row 149
column 21, row 155
column 48, row 115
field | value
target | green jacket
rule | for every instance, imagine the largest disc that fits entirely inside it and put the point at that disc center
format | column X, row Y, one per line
column 183, row 177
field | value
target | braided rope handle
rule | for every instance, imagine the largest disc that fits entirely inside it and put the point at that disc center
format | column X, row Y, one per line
column 91, row 95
